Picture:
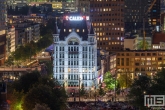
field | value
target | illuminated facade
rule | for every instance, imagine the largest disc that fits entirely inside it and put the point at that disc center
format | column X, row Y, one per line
column 134, row 14
column 10, row 40
column 2, row 31
column 108, row 22
column 140, row 62
column 75, row 53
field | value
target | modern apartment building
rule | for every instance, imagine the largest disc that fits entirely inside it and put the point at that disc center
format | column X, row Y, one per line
column 136, row 63
column 10, row 40
column 107, row 17
column 31, row 18
column 26, row 32
column 75, row 53
column 2, row 31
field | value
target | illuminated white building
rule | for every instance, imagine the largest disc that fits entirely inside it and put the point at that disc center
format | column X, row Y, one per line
column 10, row 40
column 75, row 53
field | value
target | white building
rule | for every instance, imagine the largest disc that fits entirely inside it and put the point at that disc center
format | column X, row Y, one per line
column 10, row 40
column 75, row 53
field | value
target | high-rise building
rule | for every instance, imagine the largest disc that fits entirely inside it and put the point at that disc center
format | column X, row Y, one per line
column 2, row 31
column 75, row 53
column 154, row 16
column 84, row 7
column 135, row 12
column 133, row 15
column 108, row 21
column 162, row 6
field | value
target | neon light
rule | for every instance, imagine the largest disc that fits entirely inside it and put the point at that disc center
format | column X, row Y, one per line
column 76, row 18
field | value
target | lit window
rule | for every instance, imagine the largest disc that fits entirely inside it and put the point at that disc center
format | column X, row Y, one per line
column 64, row 30
column 77, row 30
column 70, row 30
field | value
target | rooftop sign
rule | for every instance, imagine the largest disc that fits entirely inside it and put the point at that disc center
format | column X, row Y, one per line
column 76, row 18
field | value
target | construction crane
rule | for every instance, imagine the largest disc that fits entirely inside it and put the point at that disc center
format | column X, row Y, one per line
column 145, row 13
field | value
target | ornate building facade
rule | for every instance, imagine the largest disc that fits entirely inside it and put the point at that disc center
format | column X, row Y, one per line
column 75, row 53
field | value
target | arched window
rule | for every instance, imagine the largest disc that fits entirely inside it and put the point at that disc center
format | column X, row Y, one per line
column 73, row 41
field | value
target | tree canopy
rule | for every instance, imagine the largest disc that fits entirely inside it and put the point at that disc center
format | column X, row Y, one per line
column 139, row 87
column 145, row 85
column 32, row 88
column 140, row 45
column 82, row 90
column 124, row 80
column 109, row 81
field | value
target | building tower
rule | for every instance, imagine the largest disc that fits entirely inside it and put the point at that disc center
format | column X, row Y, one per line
column 2, row 31
column 108, row 21
column 162, row 6
column 135, row 12
column 75, row 53
column 84, row 7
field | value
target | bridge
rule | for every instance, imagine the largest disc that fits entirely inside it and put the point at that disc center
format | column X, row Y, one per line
column 13, row 73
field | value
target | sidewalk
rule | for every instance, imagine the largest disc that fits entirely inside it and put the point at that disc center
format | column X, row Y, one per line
column 120, row 98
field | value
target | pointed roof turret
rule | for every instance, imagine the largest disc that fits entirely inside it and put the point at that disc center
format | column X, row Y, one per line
column 91, row 30
column 56, row 28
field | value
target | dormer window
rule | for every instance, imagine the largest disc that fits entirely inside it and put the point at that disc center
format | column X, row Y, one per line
column 83, row 30
column 64, row 30
column 70, row 30
column 77, row 30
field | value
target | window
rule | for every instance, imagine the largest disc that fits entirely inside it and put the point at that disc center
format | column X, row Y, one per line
column 77, row 30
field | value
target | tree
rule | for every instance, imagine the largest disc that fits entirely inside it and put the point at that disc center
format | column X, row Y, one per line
column 26, row 81
column 124, row 80
column 9, row 61
column 41, row 107
column 82, row 90
column 140, row 45
column 101, row 91
column 109, row 81
column 138, row 88
column 52, row 97
column 16, row 100
column 158, row 83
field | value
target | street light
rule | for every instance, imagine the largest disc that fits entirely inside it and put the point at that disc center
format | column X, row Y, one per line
column 115, row 83
column 95, row 89
column 79, row 91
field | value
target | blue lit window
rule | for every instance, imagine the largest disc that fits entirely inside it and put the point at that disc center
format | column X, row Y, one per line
column 154, row 10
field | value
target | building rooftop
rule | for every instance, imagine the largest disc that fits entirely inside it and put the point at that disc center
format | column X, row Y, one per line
column 158, row 37
column 128, row 37
column 77, row 23
column 141, row 50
